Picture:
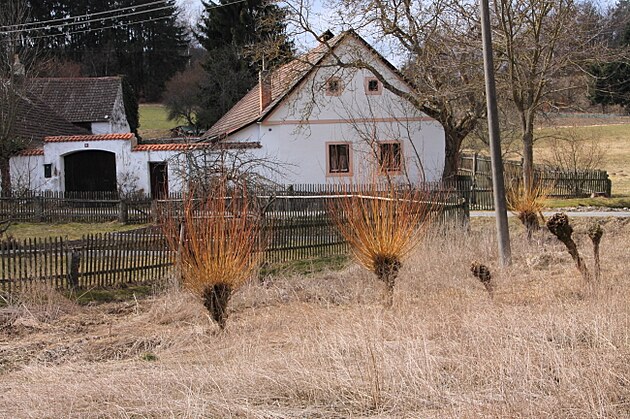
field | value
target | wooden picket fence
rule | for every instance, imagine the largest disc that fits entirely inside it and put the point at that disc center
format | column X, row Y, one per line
column 80, row 207
column 98, row 207
column 295, row 227
column 476, row 180
column 93, row 261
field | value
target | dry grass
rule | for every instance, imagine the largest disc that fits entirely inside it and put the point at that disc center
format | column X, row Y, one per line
column 323, row 347
column 612, row 138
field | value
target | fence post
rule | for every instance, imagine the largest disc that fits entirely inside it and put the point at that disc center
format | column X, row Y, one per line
column 123, row 211
column 39, row 209
column 73, row 269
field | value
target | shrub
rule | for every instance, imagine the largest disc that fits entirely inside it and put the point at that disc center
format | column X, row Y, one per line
column 218, row 242
column 527, row 203
column 382, row 225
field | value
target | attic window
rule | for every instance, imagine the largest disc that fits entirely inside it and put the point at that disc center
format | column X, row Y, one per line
column 334, row 86
column 372, row 86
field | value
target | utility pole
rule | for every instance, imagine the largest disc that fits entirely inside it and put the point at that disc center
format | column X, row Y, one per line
column 498, row 185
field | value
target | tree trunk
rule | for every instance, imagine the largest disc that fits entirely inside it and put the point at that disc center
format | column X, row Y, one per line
column 216, row 298
column 453, row 142
column 5, row 173
column 386, row 269
column 528, row 157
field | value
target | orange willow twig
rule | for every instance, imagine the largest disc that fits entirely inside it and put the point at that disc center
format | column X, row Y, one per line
column 221, row 245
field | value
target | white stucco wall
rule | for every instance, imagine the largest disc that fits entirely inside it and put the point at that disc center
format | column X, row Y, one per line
column 138, row 163
column 27, row 173
column 132, row 167
column 299, row 130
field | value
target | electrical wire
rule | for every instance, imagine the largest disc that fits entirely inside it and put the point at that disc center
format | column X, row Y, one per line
column 102, row 19
column 122, row 25
column 87, row 15
column 118, row 25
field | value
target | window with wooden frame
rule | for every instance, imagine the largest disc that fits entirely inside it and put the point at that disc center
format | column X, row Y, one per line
column 339, row 159
column 334, row 86
column 373, row 86
column 390, row 156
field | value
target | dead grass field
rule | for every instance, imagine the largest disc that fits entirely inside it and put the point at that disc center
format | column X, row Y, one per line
column 323, row 346
column 614, row 139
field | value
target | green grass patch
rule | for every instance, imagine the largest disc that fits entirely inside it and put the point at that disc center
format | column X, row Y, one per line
column 306, row 267
column 72, row 231
column 154, row 121
column 109, row 295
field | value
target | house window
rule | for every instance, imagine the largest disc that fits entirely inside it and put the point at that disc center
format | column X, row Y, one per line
column 372, row 86
column 48, row 171
column 390, row 156
column 339, row 159
column 334, row 86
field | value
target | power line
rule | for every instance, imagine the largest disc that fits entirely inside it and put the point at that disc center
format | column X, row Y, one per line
column 102, row 19
column 87, row 15
column 119, row 25
column 123, row 25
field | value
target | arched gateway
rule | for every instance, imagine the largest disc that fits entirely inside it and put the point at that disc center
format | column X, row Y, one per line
column 90, row 170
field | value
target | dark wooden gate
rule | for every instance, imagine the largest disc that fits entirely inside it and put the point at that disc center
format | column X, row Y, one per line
column 90, row 171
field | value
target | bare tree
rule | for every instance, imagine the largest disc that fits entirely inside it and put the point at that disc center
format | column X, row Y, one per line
column 201, row 164
column 537, row 42
column 16, row 62
column 437, row 43
column 181, row 94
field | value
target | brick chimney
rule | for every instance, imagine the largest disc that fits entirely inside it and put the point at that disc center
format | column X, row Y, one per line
column 264, row 81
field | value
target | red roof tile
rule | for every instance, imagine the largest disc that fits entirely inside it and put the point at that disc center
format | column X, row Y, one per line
column 32, row 152
column 96, row 137
column 196, row 146
column 283, row 80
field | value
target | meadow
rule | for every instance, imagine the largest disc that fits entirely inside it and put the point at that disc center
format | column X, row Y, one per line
column 613, row 139
column 154, row 122
column 323, row 345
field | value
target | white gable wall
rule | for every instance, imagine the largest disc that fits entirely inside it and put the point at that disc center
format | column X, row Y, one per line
column 298, row 131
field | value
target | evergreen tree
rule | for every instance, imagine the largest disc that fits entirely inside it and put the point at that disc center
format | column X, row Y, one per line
column 148, row 48
column 612, row 79
column 239, row 38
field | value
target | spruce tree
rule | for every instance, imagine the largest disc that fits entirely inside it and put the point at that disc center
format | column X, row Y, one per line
column 147, row 48
column 612, row 79
column 239, row 38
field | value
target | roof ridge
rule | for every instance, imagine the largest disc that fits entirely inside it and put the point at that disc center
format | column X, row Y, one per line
column 89, row 137
column 79, row 78
column 323, row 49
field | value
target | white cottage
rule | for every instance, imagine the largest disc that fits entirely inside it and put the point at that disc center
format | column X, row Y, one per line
column 326, row 123
column 309, row 121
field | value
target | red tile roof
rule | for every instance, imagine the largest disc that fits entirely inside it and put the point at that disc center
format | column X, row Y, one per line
column 32, row 152
column 96, row 137
column 283, row 81
column 196, row 146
